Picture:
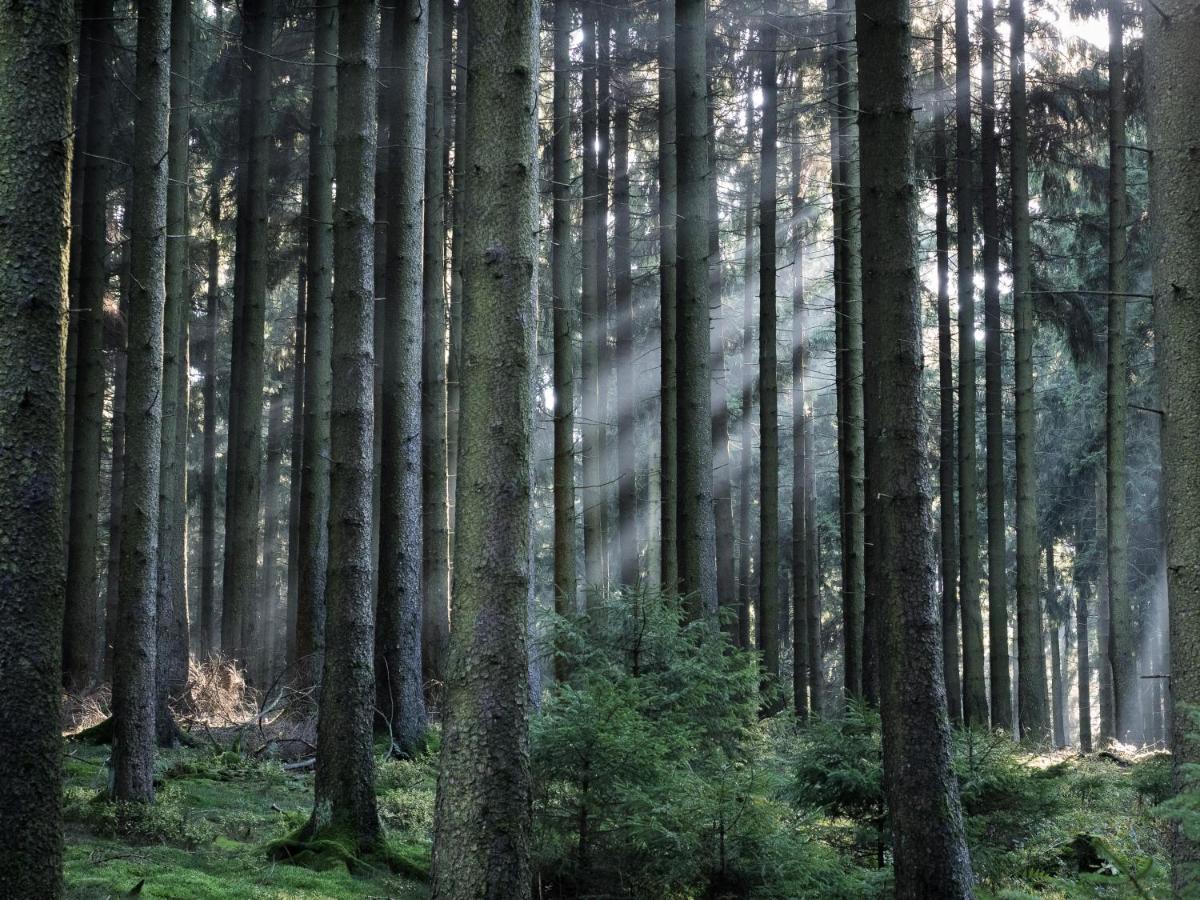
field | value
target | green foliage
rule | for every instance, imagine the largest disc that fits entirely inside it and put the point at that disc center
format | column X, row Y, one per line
column 653, row 775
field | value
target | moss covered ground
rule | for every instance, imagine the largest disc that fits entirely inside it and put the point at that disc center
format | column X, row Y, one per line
column 207, row 837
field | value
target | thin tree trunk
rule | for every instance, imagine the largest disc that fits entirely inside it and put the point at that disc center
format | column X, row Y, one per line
column 172, row 613
column 482, row 813
column 399, row 685
column 975, row 699
column 35, row 153
column 746, row 634
column 454, row 356
column 626, row 400
column 816, row 646
column 344, row 802
column 116, row 494
column 81, row 627
column 604, row 456
column 1121, row 638
column 270, row 620
column 1103, row 668
column 999, row 683
column 1032, row 713
column 314, row 478
column 946, row 444
column 1056, row 663
column 296, row 451
column 1083, row 662
column 801, row 644
column 668, row 206
column 133, row 691
column 243, row 482
column 1173, row 94
column 210, row 636
column 930, row 850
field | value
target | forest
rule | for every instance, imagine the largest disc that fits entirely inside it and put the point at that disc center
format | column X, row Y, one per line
column 558, row 449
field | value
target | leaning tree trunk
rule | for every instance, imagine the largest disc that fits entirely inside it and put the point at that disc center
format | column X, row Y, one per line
column 1121, row 638
column 172, row 614
column 134, row 657
column 946, row 445
column 35, row 121
column 768, row 394
column 1033, row 717
column 1173, row 94
column 399, row 685
column 243, row 482
column 344, row 801
column 314, row 477
column 696, row 528
column 482, row 814
column 930, row 850
column 435, row 515
column 668, row 206
column 80, row 625
column 1000, row 681
column 975, row 700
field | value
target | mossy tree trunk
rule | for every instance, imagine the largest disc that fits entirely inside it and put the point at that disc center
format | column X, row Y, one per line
column 35, row 154
column 133, row 690
column 344, row 803
column 482, row 815
column 399, row 685
column 930, row 849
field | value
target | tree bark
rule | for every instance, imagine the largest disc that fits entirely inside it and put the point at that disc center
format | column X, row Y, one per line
column 746, row 555
column 1000, row 682
column 1104, row 684
column 210, row 636
column 244, row 481
column 271, row 622
column 344, row 799
column 314, row 477
column 626, row 400
column 133, row 689
column 1173, row 92
column 296, row 451
column 1083, row 662
column 1054, row 613
column 929, row 847
column 946, row 443
column 482, row 814
column 116, row 494
column 1032, row 714
column 81, row 627
column 35, row 120
column 668, row 206
column 399, row 684
column 801, row 644
column 454, row 356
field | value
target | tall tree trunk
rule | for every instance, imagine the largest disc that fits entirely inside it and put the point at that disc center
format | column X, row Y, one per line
column 946, row 452
column 856, row 518
column 1104, row 678
column 436, row 543
column 975, row 699
column 668, row 206
column 1053, row 612
column 243, row 482
column 269, row 618
column 1083, row 662
column 134, row 658
column 210, row 636
column 801, row 644
column 296, row 451
column 1173, row 93
column 746, row 555
column 35, row 120
column 626, row 400
column 768, row 400
column 696, row 529
column 930, row 850
column 1121, row 639
column 454, row 356
column 604, row 455
column 399, row 685
column 172, row 613
column 344, row 801
column 816, row 647
column 1000, row 682
column 314, row 477
column 116, row 494
column 482, row 820
column 80, row 623
column 1032, row 714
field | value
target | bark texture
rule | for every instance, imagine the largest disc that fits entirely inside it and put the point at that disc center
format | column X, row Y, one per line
column 668, row 206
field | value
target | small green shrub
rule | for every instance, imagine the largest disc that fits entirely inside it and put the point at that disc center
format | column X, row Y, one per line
column 165, row 821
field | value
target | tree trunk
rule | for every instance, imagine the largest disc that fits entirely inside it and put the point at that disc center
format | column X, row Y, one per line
column 35, row 120
column 116, row 494
column 626, row 400
column 172, row 613
column 668, row 206
column 454, row 356
column 482, row 814
column 436, row 544
column 1173, row 93
column 210, row 636
column 1083, row 663
column 344, row 801
column 243, row 482
column 801, row 644
column 81, row 627
column 296, row 452
column 399, row 685
column 929, row 847
column 999, row 683
column 314, row 477
column 975, row 700
column 270, row 619
column 746, row 633
column 946, row 444
column 1032, row 715
column 816, row 646
column 133, row 689
column 604, row 455
column 1053, row 613
column 768, row 400
column 1121, row 639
